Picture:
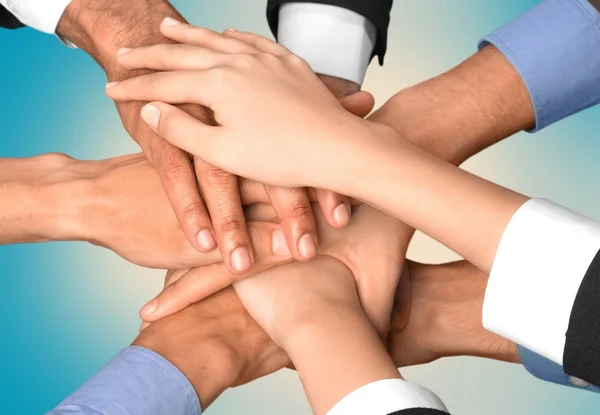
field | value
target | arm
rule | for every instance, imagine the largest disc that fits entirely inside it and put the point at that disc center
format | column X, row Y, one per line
column 115, row 203
column 181, row 364
column 312, row 324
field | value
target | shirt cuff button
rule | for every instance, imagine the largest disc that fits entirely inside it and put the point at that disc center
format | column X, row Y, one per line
column 580, row 383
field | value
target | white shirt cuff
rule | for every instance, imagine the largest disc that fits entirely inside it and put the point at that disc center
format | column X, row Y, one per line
column 42, row 15
column 333, row 40
column 385, row 397
column 542, row 259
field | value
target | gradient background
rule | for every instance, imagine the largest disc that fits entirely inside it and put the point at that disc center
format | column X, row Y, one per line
column 68, row 308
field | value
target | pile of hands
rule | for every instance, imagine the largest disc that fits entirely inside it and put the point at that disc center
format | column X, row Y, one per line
column 260, row 263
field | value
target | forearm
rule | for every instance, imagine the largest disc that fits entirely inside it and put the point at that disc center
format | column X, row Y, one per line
column 337, row 355
column 124, row 23
column 34, row 213
column 463, row 111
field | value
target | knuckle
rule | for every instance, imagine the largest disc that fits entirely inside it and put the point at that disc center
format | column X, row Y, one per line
column 220, row 177
column 295, row 61
column 193, row 210
column 300, row 210
column 175, row 171
column 230, row 225
column 245, row 60
column 268, row 58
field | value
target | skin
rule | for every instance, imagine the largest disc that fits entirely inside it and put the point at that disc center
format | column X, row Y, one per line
column 452, row 116
column 373, row 157
column 230, row 348
column 375, row 265
column 119, row 204
column 205, row 199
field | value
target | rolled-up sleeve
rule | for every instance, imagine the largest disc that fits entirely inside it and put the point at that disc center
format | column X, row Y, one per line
column 136, row 382
column 555, row 47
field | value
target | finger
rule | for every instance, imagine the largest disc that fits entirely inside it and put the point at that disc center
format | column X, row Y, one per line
column 179, row 182
column 297, row 220
column 199, row 283
column 336, row 208
column 176, row 87
column 221, row 193
column 181, row 129
column 179, row 57
column 144, row 326
column 260, row 43
column 360, row 104
column 200, row 36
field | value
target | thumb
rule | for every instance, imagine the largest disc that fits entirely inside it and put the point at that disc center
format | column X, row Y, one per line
column 359, row 104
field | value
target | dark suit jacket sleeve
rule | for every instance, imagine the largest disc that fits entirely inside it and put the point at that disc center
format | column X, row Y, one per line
column 7, row 20
column 377, row 11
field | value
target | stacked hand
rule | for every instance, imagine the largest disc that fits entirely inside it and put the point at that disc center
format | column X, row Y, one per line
column 255, row 88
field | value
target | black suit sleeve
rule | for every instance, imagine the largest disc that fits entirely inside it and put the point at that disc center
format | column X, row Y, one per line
column 419, row 411
column 377, row 11
column 7, row 20
column 581, row 356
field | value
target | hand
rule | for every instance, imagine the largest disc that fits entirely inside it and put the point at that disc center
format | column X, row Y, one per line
column 256, row 96
column 120, row 204
column 369, row 247
column 194, row 188
column 216, row 344
column 445, row 317
column 313, row 312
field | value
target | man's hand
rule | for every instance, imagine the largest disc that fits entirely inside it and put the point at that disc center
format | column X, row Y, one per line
column 104, row 27
column 445, row 317
column 216, row 344
column 101, row 28
column 117, row 203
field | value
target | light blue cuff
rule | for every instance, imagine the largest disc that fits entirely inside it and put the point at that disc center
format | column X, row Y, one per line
column 547, row 370
column 136, row 382
column 555, row 47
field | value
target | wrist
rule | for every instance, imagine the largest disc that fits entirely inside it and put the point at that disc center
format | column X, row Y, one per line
column 199, row 353
column 125, row 23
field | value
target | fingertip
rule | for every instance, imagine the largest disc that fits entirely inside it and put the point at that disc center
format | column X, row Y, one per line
column 206, row 240
column 341, row 215
column 151, row 114
column 241, row 260
column 149, row 310
column 307, row 246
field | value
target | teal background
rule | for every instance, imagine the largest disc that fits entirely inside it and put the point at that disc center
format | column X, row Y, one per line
column 67, row 308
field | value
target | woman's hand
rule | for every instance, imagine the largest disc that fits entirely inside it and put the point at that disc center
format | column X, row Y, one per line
column 278, row 123
column 369, row 248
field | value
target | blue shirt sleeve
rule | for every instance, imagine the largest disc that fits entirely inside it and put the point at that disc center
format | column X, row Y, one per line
column 555, row 47
column 547, row 370
column 136, row 382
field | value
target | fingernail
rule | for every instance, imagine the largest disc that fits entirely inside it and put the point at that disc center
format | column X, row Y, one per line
column 307, row 246
column 231, row 30
column 123, row 51
column 341, row 215
column 149, row 308
column 206, row 240
column 240, row 260
column 151, row 115
column 169, row 21
column 111, row 84
column 280, row 247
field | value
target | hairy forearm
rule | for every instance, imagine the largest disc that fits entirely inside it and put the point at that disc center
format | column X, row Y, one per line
column 101, row 27
column 463, row 111
column 445, row 317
